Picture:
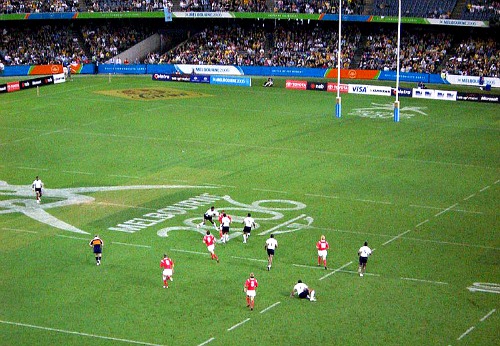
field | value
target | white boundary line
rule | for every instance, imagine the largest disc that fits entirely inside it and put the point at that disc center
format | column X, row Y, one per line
column 238, row 324
column 136, row 245
column 78, row 172
column 264, row 190
column 70, row 237
column 447, row 209
column 396, row 237
column 428, row 281
column 193, row 252
column 485, row 188
column 249, row 259
column 466, row 332
column 488, row 315
column 19, row 230
column 270, row 307
column 78, row 333
column 283, row 224
column 334, row 271
column 206, row 342
column 421, row 223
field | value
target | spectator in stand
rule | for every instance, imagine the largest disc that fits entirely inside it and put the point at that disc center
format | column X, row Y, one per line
column 475, row 56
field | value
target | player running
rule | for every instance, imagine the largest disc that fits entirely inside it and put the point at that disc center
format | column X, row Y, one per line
column 248, row 223
column 168, row 270
column 208, row 216
column 250, row 285
column 37, row 186
column 209, row 241
column 225, row 224
column 97, row 245
column 363, row 254
column 271, row 245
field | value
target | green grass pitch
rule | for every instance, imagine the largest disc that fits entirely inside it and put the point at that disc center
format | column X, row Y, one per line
column 423, row 192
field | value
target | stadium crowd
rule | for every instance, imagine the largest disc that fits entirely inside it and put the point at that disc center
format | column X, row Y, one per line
column 475, row 56
column 318, row 6
column 421, row 52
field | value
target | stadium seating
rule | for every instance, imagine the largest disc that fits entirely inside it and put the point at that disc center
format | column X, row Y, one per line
column 481, row 10
column 421, row 8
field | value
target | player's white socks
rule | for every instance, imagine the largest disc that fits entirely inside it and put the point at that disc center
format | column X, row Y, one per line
column 244, row 238
column 312, row 295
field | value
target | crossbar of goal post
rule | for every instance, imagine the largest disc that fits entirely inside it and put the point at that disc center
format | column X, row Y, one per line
column 338, row 103
column 396, row 104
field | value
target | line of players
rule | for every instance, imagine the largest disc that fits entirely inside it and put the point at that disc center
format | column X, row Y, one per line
column 301, row 290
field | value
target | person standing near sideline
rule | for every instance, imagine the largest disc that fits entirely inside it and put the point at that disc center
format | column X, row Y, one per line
column 168, row 270
column 250, row 285
column 96, row 244
column 271, row 245
column 363, row 254
column 37, row 186
column 322, row 246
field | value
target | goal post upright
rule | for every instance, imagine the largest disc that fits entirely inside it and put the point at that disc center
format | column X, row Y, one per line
column 338, row 103
column 397, row 103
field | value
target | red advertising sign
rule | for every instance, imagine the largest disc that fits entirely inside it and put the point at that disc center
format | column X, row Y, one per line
column 332, row 87
column 12, row 86
column 296, row 84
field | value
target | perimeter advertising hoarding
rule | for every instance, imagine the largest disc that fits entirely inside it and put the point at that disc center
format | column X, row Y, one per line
column 231, row 80
column 475, row 97
column 3, row 88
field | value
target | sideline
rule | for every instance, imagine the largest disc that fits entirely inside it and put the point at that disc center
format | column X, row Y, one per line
column 79, row 333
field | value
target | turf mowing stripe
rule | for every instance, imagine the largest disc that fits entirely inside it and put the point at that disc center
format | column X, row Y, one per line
column 193, row 252
column 206, row 342
column 125, row 206
column 33, row 168
column 466, row 332
column 79, row 333
column 283, row 224
column 428, row 281
column 447, row 209
column 19, row 230
column 124, row 176
column 249, row 259
column 488, row 315
column 238, row 324
column 396, row 237
column 269, row 307
column 336, row 270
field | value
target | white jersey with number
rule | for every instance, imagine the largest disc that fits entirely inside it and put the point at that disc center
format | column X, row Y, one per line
column 248, row 221
column 271, row 244
column 300, row 287
column 364, row 251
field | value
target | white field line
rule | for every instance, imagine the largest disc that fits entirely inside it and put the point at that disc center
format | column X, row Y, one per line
column 192, row 252
column 438, row 208
column 264, row 190
column 322, row 196
column 451, row 243
column 283, row 224
column 349, row 199
column 124, row 176
column 70, row 237
column 249, row 259
column 334, row 271
column 125, row 206
column 484, row 188
column 420, row 224
column 206, row 342
column 79, row 333
column 113, row 242
column 466, row 332
column 32, row 168
column 427, row 281
column 447, row 209
column 19, row 230
column 488, row 315
column 396, row 237
column 238, row 324
column 355, row 272
column 469, row 197
column 270, row 307
column 78, row 172
column 352, row 232
column 306, row 266
column 136, row 245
